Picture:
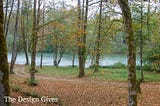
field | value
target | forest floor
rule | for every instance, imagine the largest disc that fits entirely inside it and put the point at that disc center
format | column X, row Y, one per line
column 79, row 92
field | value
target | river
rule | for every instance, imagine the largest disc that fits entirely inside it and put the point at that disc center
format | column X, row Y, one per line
column 67, row 59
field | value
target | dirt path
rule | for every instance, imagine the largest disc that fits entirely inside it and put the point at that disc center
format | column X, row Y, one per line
column 20, row 70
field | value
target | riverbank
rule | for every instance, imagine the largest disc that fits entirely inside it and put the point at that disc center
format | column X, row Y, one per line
column 104, row 73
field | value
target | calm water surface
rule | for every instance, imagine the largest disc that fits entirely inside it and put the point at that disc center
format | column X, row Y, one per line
column 67, row 59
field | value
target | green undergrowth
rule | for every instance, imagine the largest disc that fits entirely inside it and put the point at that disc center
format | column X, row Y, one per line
column 104, row 73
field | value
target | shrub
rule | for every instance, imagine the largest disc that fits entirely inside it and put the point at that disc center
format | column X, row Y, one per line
column 147, row 67
column 16, row 89
column 119, row 65
column 33, row 82
column 32, row 94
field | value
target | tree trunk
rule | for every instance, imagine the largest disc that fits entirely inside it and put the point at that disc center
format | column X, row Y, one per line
column 59, row 51
column 41, row 62
column 25, row 30
column 24, row 36
column 141, row 42
column 92, row 59
column 6, row 13
column 62, row 50
column 4, row 79
column 7, row 21
column 98, row 39
column 55, row 55
column 81, row 67
column 132, row 82
column 15, row 40
column 73, row 58
column 34, row 43
column 82, row 18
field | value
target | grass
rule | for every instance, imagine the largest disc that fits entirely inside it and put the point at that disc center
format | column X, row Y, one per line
column 52, row 71
column 108, row 74
column 104, row 74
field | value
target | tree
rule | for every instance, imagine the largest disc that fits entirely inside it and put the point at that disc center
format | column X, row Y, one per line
column 141, row 42
column 132, row 82
column 36, row 21
column 34, row 42
column 98, row 39
column 25, row 11
column 7, row 21
column 82, row 32
column 42, row 36
column 4, row 70
column 15, row 40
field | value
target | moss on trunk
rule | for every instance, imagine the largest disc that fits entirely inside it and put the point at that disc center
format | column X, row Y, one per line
column 3, row 54
column 132, row 82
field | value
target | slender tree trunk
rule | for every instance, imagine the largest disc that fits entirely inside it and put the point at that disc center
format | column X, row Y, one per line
column 148, row 19
column 62, row 50
column 8, row 20
column 98, row 39
column 4, row 70
column 81, row 39
column 58, row 51
column 141, row 42
column 36, row 20
column 41, row 62
column 81, row 70
column 92, row 59
column 15, row 40
column 25, row 31
column 34, row 43
column 55, row 55
column 24, row 40
column 6, row 13
column 73, row 58
column 132, row 82
column 82, row 18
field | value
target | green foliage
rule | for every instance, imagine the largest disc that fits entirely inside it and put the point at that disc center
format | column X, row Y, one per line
column 119, row 65
column 35, row 71
column 104, row 73
column 32, row 94
column 155, row 60
column 147, row 67
column 16, row 88
column 53, row 71
column 152, row 58
column 32, row 82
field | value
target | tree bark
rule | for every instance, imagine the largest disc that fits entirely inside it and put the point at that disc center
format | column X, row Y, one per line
column 148, row 18
column 24, row 36
column 41, row 62
column 81, row 39
column 4, row 79
column 34, row 43
column 98, row 39
column 25, row 28
column 6, row 13
column 80, row 58
column 55, row 54
column 58, row 51
column 141, row 42
column 73, row 58
column 132, row 82
column 7, row 21
column 15, row 40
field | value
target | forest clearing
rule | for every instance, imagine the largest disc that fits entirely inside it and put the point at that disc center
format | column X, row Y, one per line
column 82, row 92
column 80, row 52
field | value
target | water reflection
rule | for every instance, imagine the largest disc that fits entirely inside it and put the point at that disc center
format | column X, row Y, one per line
column 67, row 59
